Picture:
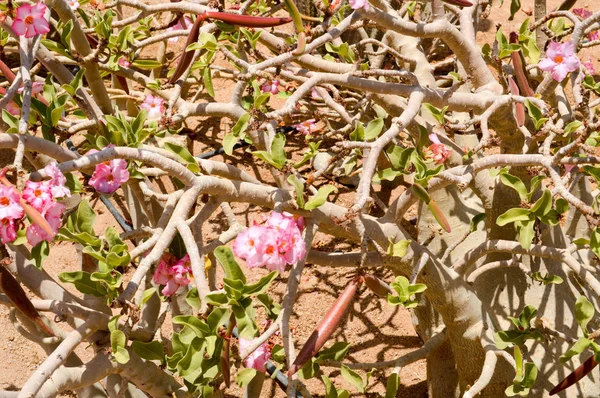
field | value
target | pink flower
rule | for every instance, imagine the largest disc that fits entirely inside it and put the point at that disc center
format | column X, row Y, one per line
column 273, row 245
column 52, row 212
column 439, row 152
column 560, row 60
column 314, row 94
column 172, row 276
column 258, row 359
column 36, row 88
column 307, row 127
column 37, row 194
column 74, row 4
column 110, row 175
column 270, row 86
column 13, row 108
column 154, row 105
column 124, row 62
column 10, row 209
column 589, row 65
column 183, row 24
column 31, row 20
column 356, row 4
column 8, row 233
column 582, row 12
column 248, row 246
column 57, row 181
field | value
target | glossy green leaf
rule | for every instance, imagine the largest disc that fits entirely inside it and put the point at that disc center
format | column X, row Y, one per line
column 399, row 248
column 512, row 215
column 199, row 327
column 392, row 385
column 82, row 282
column 299, row 190
column 584, row 312
column 353, row 378
column 261, row 286
column 580, row 346
column 186, row 157
column 152, row 351
column 232, row 269
column 245, row 376
column 320, row 198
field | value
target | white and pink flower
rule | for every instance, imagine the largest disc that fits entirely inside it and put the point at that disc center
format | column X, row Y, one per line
column 258, row 359
column 356, row 4
column 110, row 175
column 307, row 127
column 154, row 105
column 52, row 212
column 10, row 207
column 560, row 60
column 57, row 181
column 38, row 195
column 31, row 20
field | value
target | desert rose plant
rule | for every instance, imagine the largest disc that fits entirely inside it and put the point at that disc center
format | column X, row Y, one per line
column 466, row 171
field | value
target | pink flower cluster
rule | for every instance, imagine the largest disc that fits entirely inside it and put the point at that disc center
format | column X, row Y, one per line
column 110, row 175
column 258, row 359
column 585, row 14
column 307, row 127
column 39, row 195
column 560, row 60
column 439, row 153
column 31, row 20
column 276, row 243
column 172, row 273
column 271, row 86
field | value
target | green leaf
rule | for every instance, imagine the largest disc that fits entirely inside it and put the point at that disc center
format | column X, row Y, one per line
column 515, row 6
column 278, row 149
column 353, row 378
column 320, row 198
column 260, row 286
column 207, row 80
column 147, row 64
column 547, row 279
column 245, row 376
column 199, row 327
column 515, row 183
column 595, row 241
column 148, row 293
column 330, row 390
column 152, row 351
column 399, row 248
column 572, row 127
column 245, row 316
column 193, row 298
column 373, row 129
column 536, row 114
column 336, row 352
column 359, row 133
column 232, row 269
column 584, row 312
column 392, row 385
column 39, row 253
column 526, row 233
column 313, row 149
column 299, row 190
column 241, row 125
column 184, row 155
column 229, row 142
column 477, row 218
column 438, row 114
column 580, row 346
column 117, row 342
column 83, row 283
column 543, row 204
column 512, row 215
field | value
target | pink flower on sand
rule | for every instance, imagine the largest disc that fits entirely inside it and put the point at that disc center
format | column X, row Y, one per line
column 110, row 175
column 57, row 181
column 589, row 65
column 258, row 359
column 13, row 108
column 439, row 153
column 270, row 86
column 38, row 195
column 8, row 233
column 183, row 24
column 31, row 20
column 52, row 212
column 560, row 60
column 356, row 4
column 273, row 245
column 124, row 62
column 9, row 204
column 172, row 276
column 154, row 105
column 307, row 127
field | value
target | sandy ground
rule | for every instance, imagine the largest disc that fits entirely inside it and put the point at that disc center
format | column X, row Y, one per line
column 376, row 330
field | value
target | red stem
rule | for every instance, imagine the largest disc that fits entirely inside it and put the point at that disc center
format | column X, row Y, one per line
column 327, row 325
column 577, row 375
